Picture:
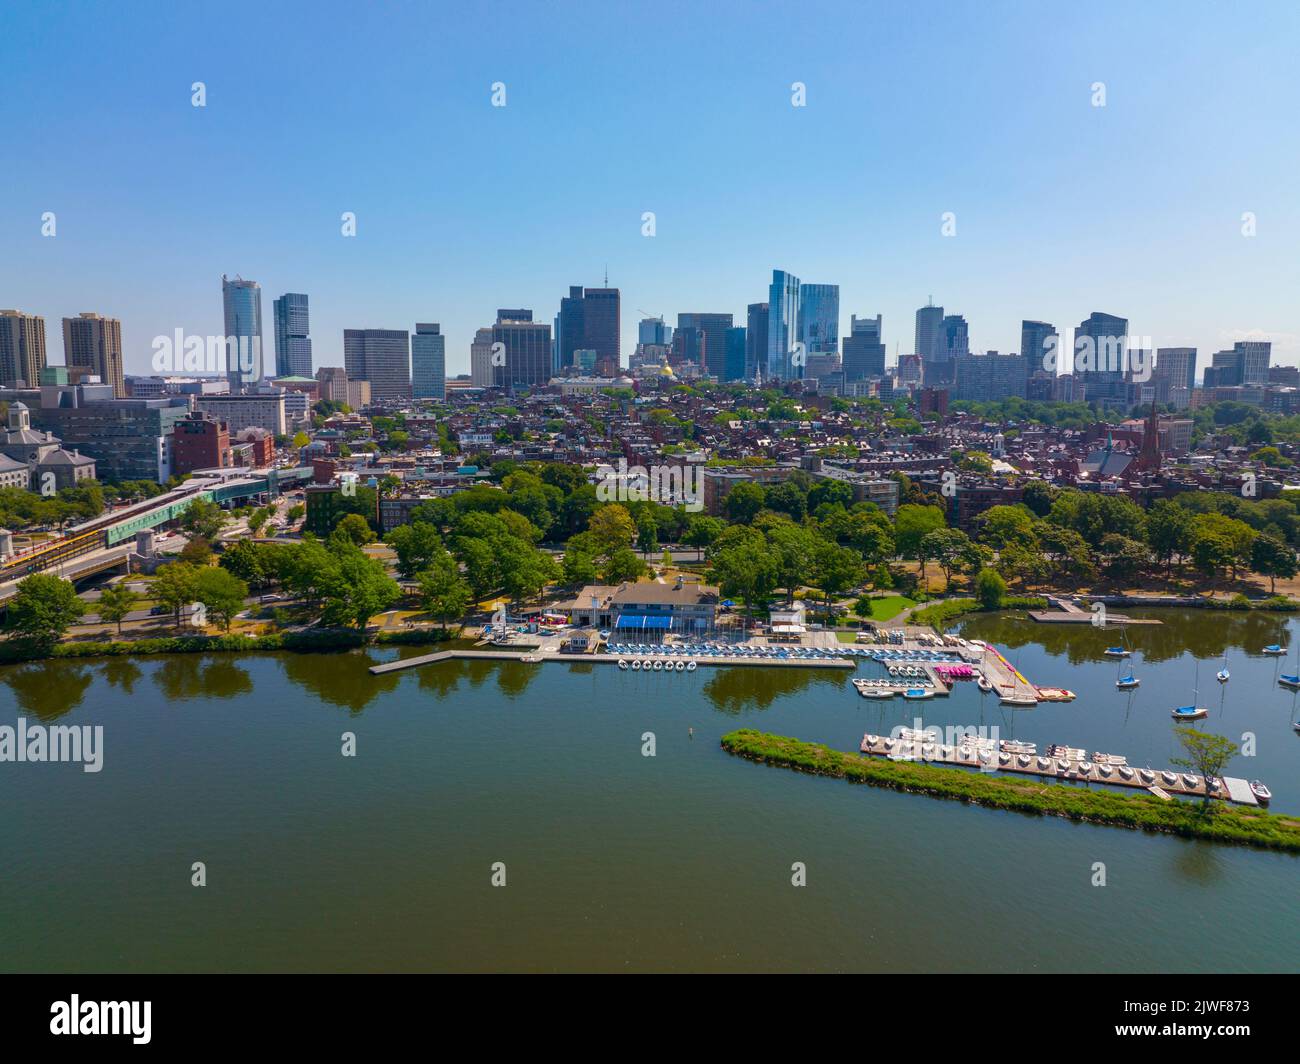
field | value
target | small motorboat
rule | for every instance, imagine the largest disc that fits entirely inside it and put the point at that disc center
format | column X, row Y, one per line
column 1116, row 652
column 657, row 665
column 1191, row 781
column 622, row 664
column 1168, row 777
column 1262, row 794
column 983, row 684
column 1189, row 713
column 691, row 666
column 1044, row 762
column 1125, row 772
column 1004, row 759
column 1273, row 648
column 1084, row 768
column 1062, row 765
column 1147, row 776
column 1023, row 760
column 1105, row 771
column 636, row 664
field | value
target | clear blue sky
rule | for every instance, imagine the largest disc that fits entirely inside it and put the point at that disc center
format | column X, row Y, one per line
column 913, row 109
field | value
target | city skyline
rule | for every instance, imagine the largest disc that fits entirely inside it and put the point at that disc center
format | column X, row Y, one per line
column 1152, row 239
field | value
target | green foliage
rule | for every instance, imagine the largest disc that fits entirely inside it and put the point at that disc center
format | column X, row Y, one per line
column 44, row 606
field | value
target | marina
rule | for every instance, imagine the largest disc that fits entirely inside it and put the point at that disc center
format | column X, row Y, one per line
column 1063, row 763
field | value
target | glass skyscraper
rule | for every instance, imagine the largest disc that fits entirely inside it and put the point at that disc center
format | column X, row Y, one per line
column 429, row 362
column 292, row 336
column 782, row 327
column 242, row 302
column 819, row 317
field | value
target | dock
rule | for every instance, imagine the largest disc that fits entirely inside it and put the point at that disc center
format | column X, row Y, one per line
column 986, row 755
column 1065, row 611
column 534, row 655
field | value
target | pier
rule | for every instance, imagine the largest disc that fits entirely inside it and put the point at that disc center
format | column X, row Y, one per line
column 1024, row 759
column 1068, row 612
column 536, row 655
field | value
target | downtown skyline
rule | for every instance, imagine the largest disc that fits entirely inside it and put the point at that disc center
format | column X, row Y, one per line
column 856, row 196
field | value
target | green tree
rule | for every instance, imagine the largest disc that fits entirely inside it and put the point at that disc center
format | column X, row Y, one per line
column 203, row 518
column 416, row 546
column 115, row 603
column 911, row 525
column 990, row 589
column 174, row 586
column 44, row 606
column 356, row 528
column 743, row 502
column 357, row 587
column 443, row 591
column 621, row 565
column 1271, row 557
column 222, row 594
column 1207, row 754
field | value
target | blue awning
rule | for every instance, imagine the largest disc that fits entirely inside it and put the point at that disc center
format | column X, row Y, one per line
column 641, row 620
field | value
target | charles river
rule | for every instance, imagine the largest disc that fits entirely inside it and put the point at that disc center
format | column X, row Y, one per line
column 615, row 861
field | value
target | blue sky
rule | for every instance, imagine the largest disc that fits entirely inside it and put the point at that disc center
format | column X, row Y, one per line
column 683, row 109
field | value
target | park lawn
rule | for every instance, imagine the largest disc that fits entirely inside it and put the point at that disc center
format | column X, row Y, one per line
column 887, row 607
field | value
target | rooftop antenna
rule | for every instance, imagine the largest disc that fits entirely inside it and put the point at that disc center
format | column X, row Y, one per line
column 607, row 275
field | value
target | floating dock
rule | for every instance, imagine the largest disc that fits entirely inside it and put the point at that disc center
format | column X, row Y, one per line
column 1067, row 612
column 987, row 755
column 534, row 656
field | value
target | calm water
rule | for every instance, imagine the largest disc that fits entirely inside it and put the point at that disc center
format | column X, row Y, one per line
column 614, row 861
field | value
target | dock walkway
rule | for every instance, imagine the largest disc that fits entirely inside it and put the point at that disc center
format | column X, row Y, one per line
column 532, row 656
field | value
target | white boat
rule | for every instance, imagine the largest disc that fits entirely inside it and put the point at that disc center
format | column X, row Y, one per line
column 1223, row 675
column 1262, row 794
column 1192, row 712
column 622, row 664
column 691, row 666
column 1125, row 772
column 679, row 665
column 1274, row 649
column 1127, row 683
column 636, row 664
column 657, row 665
column 1019, row 700
column 1116, row 652
column 983, row 684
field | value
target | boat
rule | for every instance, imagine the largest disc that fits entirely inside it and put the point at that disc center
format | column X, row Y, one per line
column 876, row 692
column 1126, row 683
column 983, row 684
column 691, row 666
column 636, row 664
column 622, row 664
column 1191, row 781
column 1013, row 699
column 679, row 665
column 657, row 665
column 1027, row 698
column 1192, row 712
column 1116, row 652
column 917, row 693
column 1292, row 680
column 1125, row 772
column 1084, row 768
column 1147, row 776
column 1262, row 794
column 1274, row 649
column 1223, row 675
column 1168, row 777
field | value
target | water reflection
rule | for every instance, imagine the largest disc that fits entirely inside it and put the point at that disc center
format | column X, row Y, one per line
column 733, row 690
column 122, row 673
column 342, row 680
column 50, row 689
column 186, row 676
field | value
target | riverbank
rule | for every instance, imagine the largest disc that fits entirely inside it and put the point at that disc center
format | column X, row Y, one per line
column 1138, row 812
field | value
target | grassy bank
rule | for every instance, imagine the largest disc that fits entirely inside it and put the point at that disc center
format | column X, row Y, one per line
column 15, row 651
column 1140, row 811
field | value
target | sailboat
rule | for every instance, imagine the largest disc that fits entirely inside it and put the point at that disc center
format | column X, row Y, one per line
column 1025, row 699
column 1223, row 675
column 1192, row 712
column 1292, row 680
column 1126, row 682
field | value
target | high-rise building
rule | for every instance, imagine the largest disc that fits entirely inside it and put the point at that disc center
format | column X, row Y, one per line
column 989, row 377
column 864, row 349
column 242, row 303
column 428, row 362
column 382, row 357
column 1255, row 356
column 589, row 320
column 94, row 343
column 1036, row 337
column 1101, row 356
column 755, row 340
column 705, row 336
column 733, row 368
column 525, row 350
column 819, row 318
column 22, row 348
column 956, row 335
column 292, row 336
column 480, row 359
column 1175, row 375
column 783, row 327
column 654, row 331
column 570, row 328
column 932, row 343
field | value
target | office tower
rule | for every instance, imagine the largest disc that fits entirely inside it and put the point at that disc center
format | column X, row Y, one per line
column 654, row 331
column 989, row 377
column 382, row 357
column 733, row 365
column 1254, row 356
column 1035, row 338
column 956, row 336
column 1100, row 355
column 755, row 340
column 570, row 328
column 292, row 336
column 428, row 362
column 1175, row 375
column 94, row 343
column 242, row 302
column 705, row 337
column 480, row 359
column 782, row 327
column 525, row 351
column 819, row 318
column 601, row 315
column 334, row 386
column 22, row 348
column 931, row 343
column 864, row 349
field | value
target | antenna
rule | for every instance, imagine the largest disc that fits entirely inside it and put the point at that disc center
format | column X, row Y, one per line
column 607, row 275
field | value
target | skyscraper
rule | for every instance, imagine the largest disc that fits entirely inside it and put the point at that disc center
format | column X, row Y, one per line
column 654, row 331
column 783, row 327
column 570, row 329
column 931, row 343
column 1100, row 355
column 382, row 357
column 480, row 359
column 428, row 362
column 589, row 320
column 22, row 348
column 95, row 343
column 292, row 336
column 525, row 351
column 733, row 368
column 242, row 303
column 956, row 334
column 1255, row 356
column 819, row 318
column 864, row 349
column 705, row 336
column 1035, row 339
column 1175, row 375
column 755, row 340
